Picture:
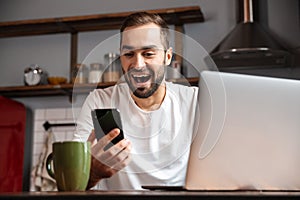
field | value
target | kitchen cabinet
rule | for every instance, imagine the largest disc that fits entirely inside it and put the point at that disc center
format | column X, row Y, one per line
column 76, row 24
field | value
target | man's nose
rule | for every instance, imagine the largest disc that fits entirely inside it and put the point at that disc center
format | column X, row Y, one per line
column 139, row 61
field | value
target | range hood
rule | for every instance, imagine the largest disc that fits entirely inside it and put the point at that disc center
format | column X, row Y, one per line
column 249, row 45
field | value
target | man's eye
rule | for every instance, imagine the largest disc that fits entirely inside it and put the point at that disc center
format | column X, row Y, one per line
column 128, row 55
column 149, row 54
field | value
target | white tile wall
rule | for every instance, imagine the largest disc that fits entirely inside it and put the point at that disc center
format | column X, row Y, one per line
column 53, row 116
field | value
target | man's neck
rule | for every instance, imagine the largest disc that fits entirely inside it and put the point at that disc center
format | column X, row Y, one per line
column 153, row 102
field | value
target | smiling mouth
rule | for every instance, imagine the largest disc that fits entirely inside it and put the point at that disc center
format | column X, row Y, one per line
column 141, row 78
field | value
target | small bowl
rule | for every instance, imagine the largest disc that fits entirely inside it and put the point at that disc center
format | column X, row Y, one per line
column 56, row 80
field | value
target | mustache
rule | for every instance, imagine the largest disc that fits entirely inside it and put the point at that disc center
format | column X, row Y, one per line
column 143, row 70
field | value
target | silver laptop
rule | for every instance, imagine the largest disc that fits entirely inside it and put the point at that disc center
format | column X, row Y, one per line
column 249, row 134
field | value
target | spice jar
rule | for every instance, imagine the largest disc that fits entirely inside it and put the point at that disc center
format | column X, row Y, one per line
column 80, row 74
column 174, row 71
column 95, row 73
column 113, row 68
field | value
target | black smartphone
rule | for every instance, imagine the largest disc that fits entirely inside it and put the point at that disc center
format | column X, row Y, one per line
column 105, row 120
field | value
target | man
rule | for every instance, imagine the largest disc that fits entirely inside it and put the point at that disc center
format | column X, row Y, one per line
column 157, row 116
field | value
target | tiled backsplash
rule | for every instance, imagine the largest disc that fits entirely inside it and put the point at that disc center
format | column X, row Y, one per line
column 60, row 133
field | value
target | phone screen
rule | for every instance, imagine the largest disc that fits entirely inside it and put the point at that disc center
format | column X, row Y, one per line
column 105, row 120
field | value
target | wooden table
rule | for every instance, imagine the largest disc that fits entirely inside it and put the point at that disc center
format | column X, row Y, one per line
column 140, row 195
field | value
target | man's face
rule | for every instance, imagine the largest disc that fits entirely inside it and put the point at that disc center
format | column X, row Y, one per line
column 143, row 58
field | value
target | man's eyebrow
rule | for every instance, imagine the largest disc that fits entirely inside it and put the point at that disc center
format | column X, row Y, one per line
column 127, row 47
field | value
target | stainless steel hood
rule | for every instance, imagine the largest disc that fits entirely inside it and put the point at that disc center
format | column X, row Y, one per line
column 249, row 45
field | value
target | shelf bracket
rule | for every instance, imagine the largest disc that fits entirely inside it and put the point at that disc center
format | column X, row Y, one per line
column 179, row 43
column 74, row 51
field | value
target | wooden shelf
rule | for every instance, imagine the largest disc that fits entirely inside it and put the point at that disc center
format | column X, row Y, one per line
column 175, row 16
column 46, row 90
column 65, row 89
column 75, row 24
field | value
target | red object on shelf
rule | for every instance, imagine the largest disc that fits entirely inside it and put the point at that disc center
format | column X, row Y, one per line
column 12, row 134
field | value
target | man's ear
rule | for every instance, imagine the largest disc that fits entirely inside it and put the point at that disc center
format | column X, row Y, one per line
column 168, row 57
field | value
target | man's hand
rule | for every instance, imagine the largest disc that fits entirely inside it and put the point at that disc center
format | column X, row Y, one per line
column 106, row 163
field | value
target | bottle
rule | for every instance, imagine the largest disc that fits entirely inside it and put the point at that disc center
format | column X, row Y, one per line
column 174, row 71
column 95, row 73
column 113, row 68
column 80, row 73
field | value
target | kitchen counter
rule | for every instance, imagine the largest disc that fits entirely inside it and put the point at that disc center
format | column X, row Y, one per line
column 153, row 195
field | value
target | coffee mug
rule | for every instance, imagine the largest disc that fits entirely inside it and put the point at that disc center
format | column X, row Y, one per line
column 71, row 165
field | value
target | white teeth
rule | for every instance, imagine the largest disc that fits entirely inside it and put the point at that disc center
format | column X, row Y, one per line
column 140, row 76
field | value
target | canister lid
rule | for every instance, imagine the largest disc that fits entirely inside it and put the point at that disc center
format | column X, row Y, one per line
column 95, row 66
column 111, row 55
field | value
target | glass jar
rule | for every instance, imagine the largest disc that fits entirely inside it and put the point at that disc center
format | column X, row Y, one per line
column 95, row 73
column 113, row 68
column 80, row 73
column 174, row 71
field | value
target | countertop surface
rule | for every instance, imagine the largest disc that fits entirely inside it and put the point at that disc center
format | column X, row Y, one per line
column 154, row 195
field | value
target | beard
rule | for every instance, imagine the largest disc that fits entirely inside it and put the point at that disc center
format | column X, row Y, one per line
column 136, row 77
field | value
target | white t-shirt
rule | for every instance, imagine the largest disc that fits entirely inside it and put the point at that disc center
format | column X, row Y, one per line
column 160, row 139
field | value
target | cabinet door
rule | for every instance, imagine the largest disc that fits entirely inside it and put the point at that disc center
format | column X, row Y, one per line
column 12, row 133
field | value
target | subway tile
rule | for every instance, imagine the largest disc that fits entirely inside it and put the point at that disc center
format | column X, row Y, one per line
column 62, row 133
column 39, row 137
column 38, row 147
column 55, row 114
column 39, row 114
column 69, row 135
column 38, row 126
column 35, row 160
column 59, row 136
column 69, row 113
column 63, row 121
column 63, row 129
column 76, row 112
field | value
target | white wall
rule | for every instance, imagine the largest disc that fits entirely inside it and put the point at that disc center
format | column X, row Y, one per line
column 52, row 51
column 41, row 146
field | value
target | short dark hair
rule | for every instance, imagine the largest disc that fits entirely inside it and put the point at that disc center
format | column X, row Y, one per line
column 142, row 18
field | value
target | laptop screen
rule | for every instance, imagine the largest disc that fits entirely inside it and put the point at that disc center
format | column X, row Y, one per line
column 248, row 135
